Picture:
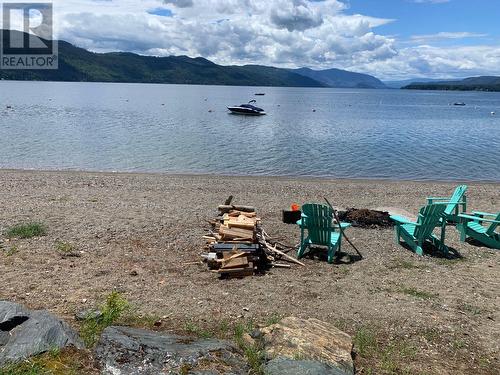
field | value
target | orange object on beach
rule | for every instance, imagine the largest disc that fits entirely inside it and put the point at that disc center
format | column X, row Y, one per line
column 295, row 207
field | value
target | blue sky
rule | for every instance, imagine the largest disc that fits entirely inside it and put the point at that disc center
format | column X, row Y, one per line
column 479, row 17
column 391, row 39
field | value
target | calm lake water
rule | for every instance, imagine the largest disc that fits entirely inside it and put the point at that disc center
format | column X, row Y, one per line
column 392, row 134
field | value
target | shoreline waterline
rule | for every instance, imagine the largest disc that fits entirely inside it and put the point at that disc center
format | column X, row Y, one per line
column 249, row 177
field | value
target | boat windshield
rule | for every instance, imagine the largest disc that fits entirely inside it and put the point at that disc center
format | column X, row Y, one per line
column 249, row 106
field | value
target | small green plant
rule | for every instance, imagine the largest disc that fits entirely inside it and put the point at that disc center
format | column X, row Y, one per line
column 111, row 311
column 365, row 342
column 254, row 353
column 66, row 249
column 417, row 293
column 26, row 367
column 458, row 344
column 24, row 231
column 396, row 355
column 13, row 250
column 471, row 309
column 54, row 362
column 274, row 319
column 299, row 356
column 196, row 330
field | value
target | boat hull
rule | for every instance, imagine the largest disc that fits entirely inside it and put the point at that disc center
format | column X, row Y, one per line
column 245, row 111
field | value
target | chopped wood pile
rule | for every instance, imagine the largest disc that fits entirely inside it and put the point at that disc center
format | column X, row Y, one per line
column 238, row 246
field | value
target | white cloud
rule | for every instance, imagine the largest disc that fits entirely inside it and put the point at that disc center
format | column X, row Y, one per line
column 445, row 36
column 437, row 62
column 286, row 33
column 281, row 32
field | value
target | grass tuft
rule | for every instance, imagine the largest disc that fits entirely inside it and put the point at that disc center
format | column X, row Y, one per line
column 66, row 249
column 274, row 319
column 418, row 293
column 24, row 231
column 12, row 251
column 111, row 311
column 194, row 329
column 365, row 342
column 54, row 362
column 254, row 354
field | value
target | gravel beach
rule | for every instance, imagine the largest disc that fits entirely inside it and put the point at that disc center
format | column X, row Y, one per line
column 140, row 234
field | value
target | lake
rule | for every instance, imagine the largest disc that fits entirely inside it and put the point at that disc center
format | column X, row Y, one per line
column 340, row 133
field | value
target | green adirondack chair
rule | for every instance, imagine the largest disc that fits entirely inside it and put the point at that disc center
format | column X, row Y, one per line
column 317, row 220
column 457, row 200
column 453, row 204
column 415, row 234
column 472, row 226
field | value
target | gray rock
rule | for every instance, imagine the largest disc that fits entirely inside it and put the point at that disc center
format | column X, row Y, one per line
column 24, row 333
column 123, row 351
column 88, row 314
column 286, row 366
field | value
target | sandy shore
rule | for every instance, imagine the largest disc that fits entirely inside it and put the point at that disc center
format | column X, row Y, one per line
column 135, row 232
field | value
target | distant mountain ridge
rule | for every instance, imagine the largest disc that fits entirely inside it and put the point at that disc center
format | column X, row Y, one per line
column 481, row 83
column 79, row 65
column 405, row 82
column 342, row 78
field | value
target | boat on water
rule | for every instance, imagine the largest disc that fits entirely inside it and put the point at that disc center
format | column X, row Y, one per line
column 247, row 109
column 260, row 94
column 461, row 104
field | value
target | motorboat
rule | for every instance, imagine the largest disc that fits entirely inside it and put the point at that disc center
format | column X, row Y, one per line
column 461, row 104
column 260, row 94
column 247, row 109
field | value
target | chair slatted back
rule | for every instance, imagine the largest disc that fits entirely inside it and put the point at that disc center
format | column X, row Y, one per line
column 428, row 218
column 318, row 221
column 456, row 198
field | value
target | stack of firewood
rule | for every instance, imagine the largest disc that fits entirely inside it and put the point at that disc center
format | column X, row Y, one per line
column 234, row 249
column 237, row 246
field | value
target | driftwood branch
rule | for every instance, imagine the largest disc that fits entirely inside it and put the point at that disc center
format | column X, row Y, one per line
column 284, row 255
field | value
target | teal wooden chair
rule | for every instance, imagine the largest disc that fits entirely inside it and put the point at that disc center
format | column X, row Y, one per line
column 415, row 234
column 317, row 220
column 456, row 204
column 474, row 226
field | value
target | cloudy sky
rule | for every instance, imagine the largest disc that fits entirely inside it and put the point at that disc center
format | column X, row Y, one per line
column 392, row 39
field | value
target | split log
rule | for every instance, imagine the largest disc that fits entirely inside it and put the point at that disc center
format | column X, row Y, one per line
column 279, row 265
column 232, row 257
column 236, row 233
column 227, row 208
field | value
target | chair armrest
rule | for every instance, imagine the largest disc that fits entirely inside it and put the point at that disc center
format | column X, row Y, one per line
column 343, row 225
column 402, row 220
column 477, row 218
column 437, row 198
column 484, row 213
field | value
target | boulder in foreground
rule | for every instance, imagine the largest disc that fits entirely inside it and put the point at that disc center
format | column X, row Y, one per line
column 25, row 333
column 124, row 351
column 321, row 347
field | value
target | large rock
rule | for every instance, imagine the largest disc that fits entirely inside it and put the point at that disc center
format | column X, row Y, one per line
column 286, row 366
column 24, row 333
column 123, row 351
column 309, row 340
